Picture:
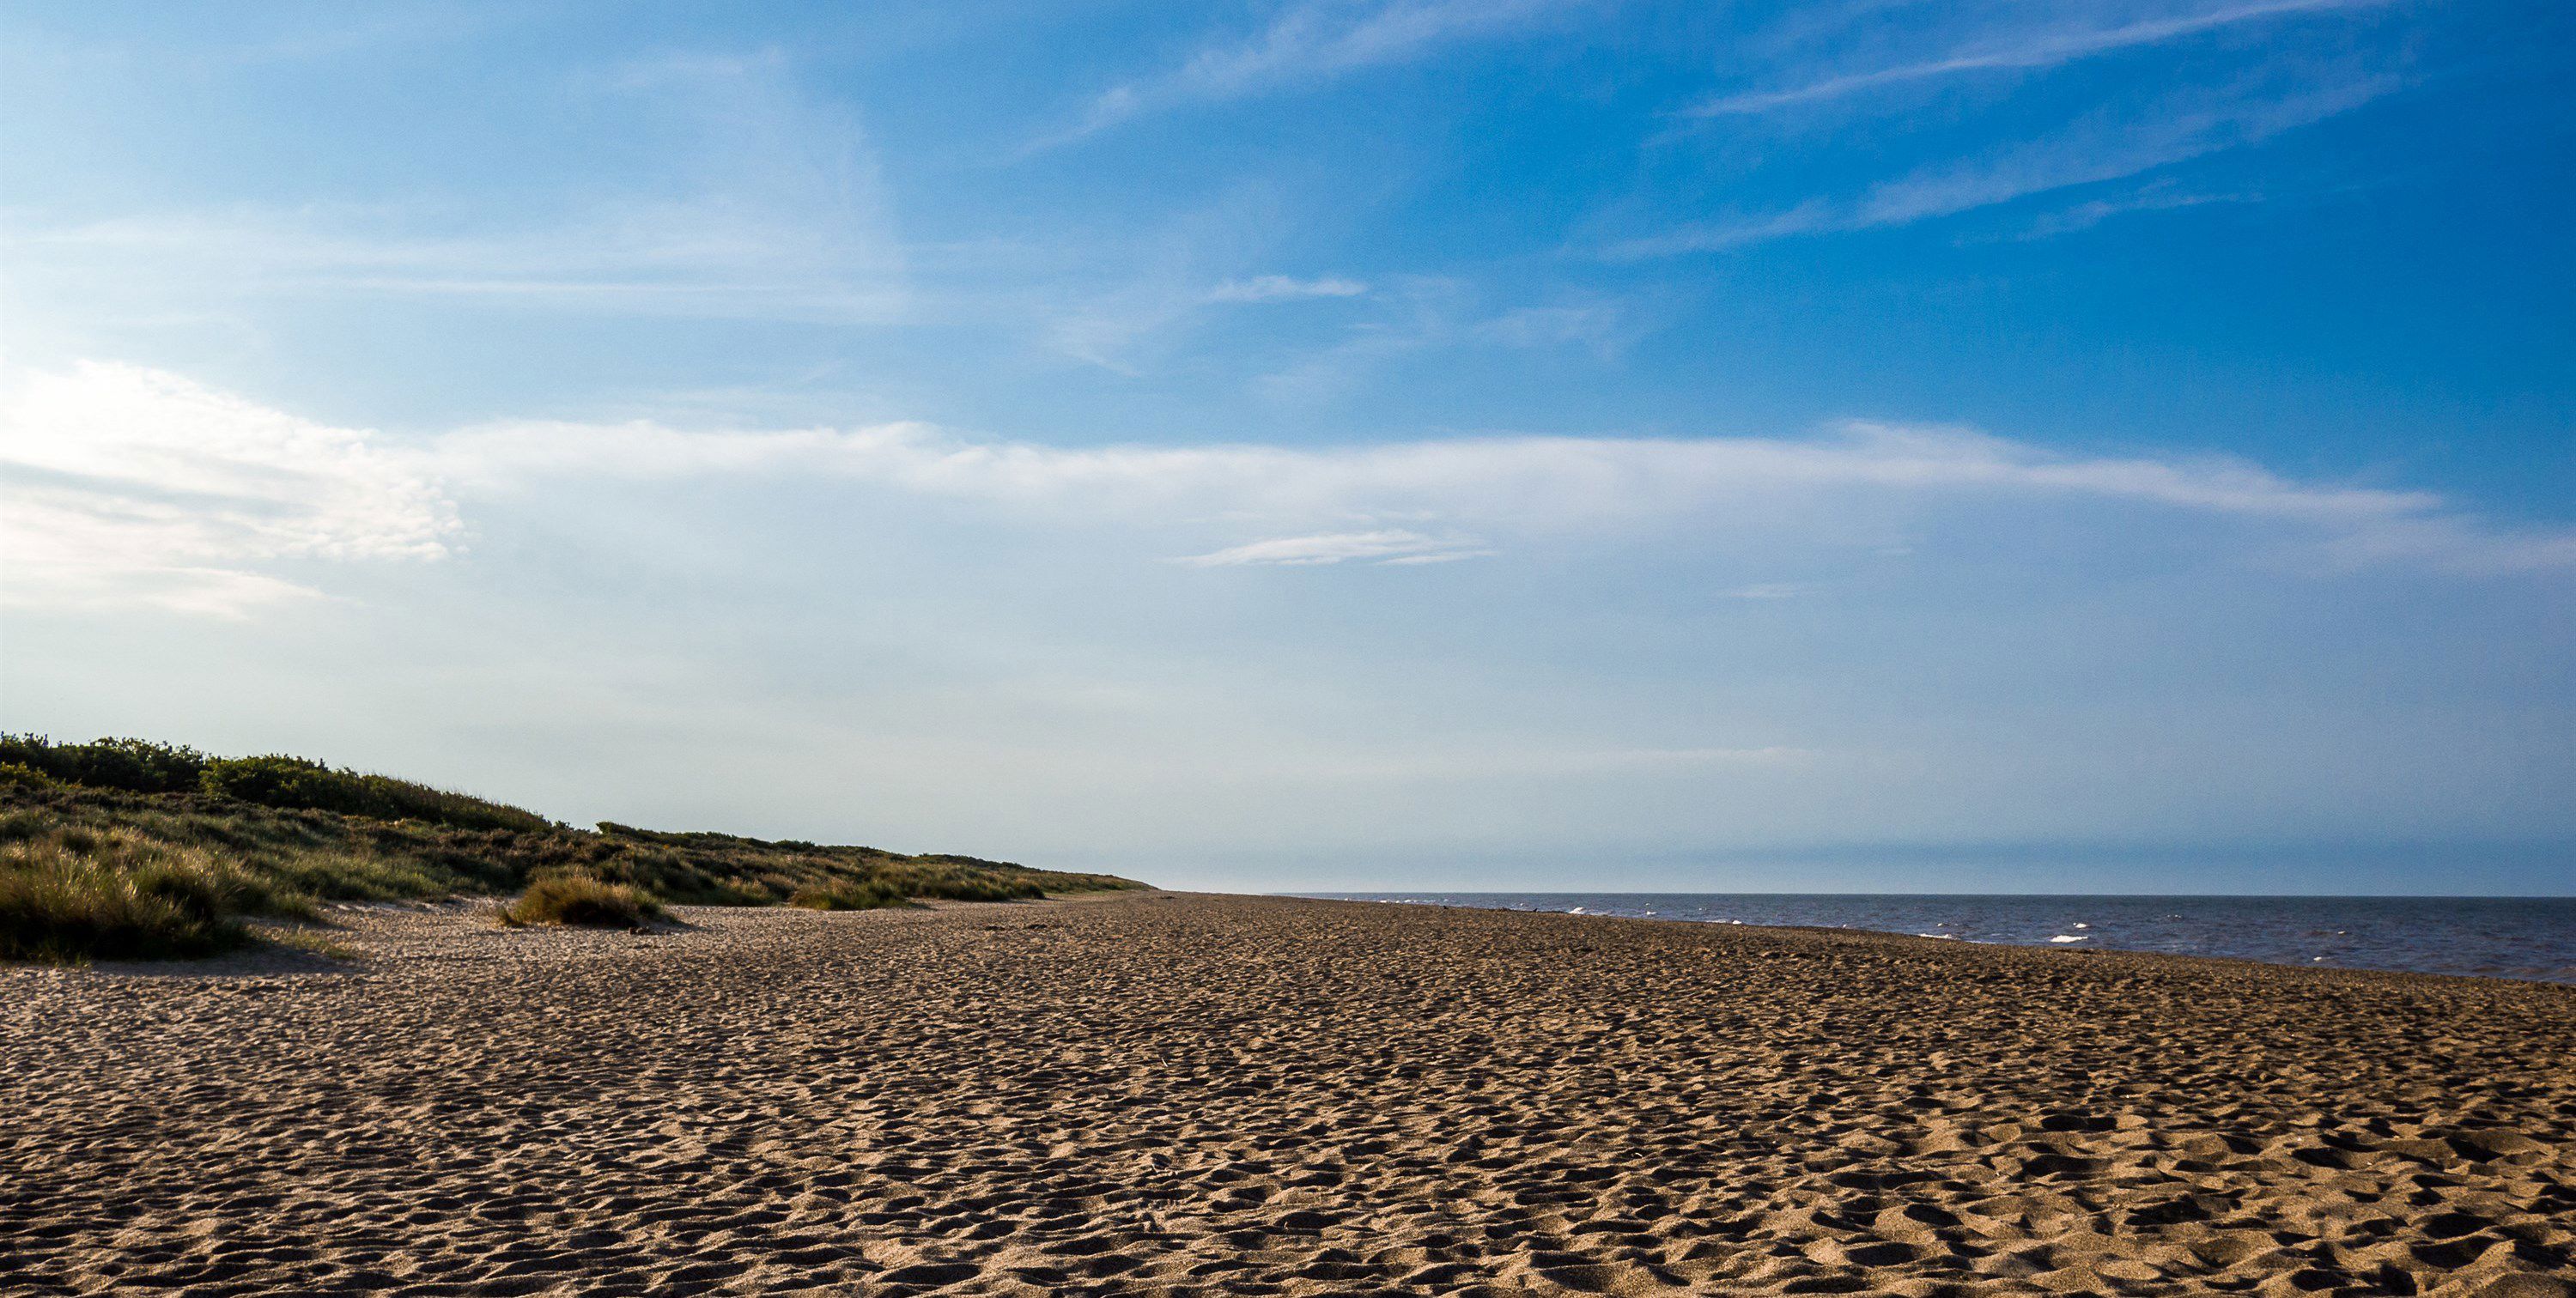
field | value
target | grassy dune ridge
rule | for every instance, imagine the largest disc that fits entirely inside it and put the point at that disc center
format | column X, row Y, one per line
column 127, row 849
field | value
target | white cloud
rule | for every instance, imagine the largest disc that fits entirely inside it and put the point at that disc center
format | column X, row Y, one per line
column 1314, row 41
column 1597, row 327
column 1394, row 545
column 1521, row 484
column 2023, row 50
column 129, row 485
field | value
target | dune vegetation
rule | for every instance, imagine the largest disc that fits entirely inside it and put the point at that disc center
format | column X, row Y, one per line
column 128, row 849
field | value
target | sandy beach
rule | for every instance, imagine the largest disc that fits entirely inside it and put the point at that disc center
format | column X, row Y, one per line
column 1163, row 1093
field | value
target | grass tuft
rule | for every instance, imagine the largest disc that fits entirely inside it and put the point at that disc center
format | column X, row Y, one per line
column 582, row 901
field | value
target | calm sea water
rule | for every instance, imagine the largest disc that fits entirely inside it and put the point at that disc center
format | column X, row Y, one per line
column 2495, row 937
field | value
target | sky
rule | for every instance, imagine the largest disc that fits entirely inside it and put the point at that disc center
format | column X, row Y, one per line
column 1329, row 444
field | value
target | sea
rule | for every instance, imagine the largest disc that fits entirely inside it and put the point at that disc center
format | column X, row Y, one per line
column 2531, row 938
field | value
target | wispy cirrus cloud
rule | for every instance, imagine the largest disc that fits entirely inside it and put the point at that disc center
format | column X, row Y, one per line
column 2148, row 198
column 1285, row 288
column 2081, row 35
column 2110, row 148
column 1110, row 329
column 1423, row 314
column 691, row 258
column 2106, row 146
column 770, row 207
column 1505, row 762
column 1314, row 41
column 1387, row 546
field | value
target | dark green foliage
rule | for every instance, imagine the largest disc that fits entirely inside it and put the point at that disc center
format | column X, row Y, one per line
column 17, row 775
column 134, row 765
column 142, row 766
column 280, row 781
column 584, row 901
column 269, row 836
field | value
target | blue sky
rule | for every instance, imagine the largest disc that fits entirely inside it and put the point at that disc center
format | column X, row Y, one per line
column 1520, row 444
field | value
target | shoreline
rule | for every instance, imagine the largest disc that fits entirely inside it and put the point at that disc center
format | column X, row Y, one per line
column 2417, row 953
column 290, row 958
column 1153, row 1092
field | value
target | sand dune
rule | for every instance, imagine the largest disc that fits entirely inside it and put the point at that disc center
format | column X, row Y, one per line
column 1175, row 1094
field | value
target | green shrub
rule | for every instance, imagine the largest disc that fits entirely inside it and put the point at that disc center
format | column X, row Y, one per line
column 281, row 781
column 134, row 765
column 277, row 780
column 403, row 800
column 582, row 900
column 19, row 775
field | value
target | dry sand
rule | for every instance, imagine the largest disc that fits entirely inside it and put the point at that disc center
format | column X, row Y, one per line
column 1181, row 1094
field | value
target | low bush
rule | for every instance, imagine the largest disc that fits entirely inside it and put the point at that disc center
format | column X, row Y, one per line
column 277, row 780
column 134, row 765
column 583, row 901
column 19, row 775
column 280, row 781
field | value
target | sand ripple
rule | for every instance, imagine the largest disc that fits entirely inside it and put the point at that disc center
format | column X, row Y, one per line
column 1185, row 1095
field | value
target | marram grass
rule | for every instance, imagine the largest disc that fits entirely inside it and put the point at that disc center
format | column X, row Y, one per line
column 583, row 901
